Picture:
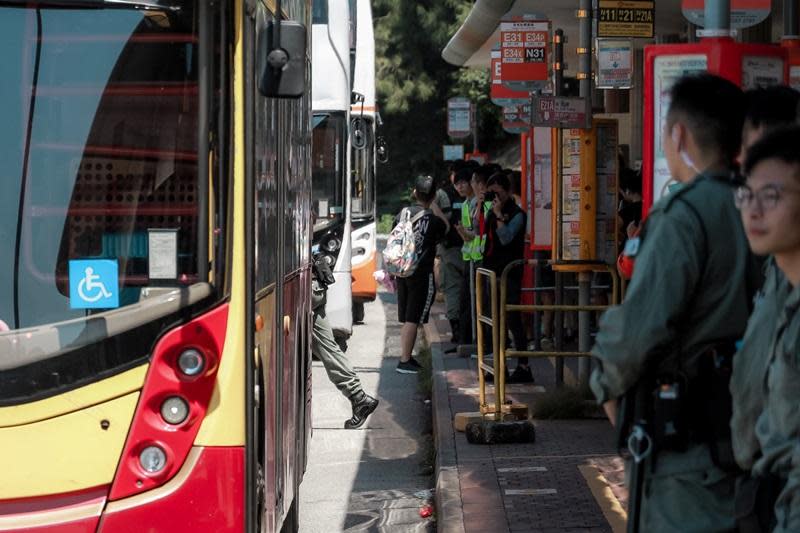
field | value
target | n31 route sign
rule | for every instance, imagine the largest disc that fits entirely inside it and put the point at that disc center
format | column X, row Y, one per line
column 524, row 54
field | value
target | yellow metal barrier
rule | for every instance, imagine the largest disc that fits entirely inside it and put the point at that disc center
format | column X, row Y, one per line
column 496, row 320
column 524, row 308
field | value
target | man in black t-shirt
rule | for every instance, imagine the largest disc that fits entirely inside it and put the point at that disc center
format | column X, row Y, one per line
column 415, row 293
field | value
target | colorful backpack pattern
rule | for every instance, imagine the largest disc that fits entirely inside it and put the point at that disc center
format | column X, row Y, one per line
column 400, row 257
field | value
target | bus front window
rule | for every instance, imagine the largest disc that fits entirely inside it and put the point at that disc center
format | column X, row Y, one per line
column 327, row 168
column 98, row 162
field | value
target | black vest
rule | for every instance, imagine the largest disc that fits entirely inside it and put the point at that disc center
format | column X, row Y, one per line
column 497, row 255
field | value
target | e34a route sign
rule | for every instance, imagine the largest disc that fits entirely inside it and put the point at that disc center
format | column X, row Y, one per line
column 626, row 18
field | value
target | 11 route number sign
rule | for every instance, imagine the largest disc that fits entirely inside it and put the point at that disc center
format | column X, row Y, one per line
column 524, row 50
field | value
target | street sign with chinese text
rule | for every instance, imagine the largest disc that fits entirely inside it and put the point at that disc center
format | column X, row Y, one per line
column 459, row 117
column 524, row 53
column 517, row 119
column 560, row 112
column 614, row 64
column 626, row 18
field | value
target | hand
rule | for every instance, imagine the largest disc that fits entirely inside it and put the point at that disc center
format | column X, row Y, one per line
column 632, row 230
column 497, row 207
column 610, row 407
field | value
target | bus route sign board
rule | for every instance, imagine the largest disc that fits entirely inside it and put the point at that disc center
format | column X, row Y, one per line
column 744, row 13
column 524, row 51
column 626, row 18
column 499, row 93
column 561, row 112
column 459, row 117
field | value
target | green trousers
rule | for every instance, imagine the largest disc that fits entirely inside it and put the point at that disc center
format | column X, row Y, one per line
column 324, row 346
column 699, row 500
column 452, row 272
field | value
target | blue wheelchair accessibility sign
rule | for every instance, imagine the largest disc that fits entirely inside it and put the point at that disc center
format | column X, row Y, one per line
column 93, row 284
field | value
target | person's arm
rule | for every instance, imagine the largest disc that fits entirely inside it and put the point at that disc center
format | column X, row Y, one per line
column 436, row 210
column 506, row 231
column 668, row 267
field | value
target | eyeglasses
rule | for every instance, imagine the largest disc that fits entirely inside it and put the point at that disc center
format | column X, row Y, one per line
column 766, row 197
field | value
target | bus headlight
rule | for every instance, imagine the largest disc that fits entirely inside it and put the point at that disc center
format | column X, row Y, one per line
column 191, row 362
column 153, row 459
column 174, row 410
column 332, row 244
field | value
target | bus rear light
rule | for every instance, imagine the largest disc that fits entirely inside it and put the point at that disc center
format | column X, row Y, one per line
column 172, row 404
column 152, row 459
column 191, row 362
column 174, row 410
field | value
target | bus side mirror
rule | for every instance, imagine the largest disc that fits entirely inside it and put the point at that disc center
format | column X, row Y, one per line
column 282, row 68
column 382, row 152
column 358, row 136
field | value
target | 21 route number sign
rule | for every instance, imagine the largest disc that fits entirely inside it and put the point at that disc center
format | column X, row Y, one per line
column 524, row 47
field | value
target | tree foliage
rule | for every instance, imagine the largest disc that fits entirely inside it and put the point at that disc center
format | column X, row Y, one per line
column 413, row 85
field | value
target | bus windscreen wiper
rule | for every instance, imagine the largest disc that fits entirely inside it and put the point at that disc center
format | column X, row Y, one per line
column 96, row 4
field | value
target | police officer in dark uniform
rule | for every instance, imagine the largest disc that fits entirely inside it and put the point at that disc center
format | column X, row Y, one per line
column 667, row 348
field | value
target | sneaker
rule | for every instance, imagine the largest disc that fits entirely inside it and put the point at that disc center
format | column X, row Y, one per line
column 522, row 374
column 409, row 367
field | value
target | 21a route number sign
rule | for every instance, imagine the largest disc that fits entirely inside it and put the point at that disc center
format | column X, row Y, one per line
column 524, row 49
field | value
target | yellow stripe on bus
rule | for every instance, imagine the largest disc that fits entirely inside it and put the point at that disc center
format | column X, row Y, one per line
column 67, row 453
column 224, row 421
column 74, row 400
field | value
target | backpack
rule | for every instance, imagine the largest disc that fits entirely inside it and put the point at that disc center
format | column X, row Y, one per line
column 400, row 257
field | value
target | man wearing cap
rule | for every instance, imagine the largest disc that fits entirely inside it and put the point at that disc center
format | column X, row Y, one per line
column 415, row 293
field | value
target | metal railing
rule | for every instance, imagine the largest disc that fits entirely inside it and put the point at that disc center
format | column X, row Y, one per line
column 499, row 334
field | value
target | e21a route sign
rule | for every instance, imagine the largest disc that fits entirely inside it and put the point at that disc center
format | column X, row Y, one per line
column 524, row 53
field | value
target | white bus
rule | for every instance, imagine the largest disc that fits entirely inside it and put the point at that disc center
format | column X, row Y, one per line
column 331, row 189
column 363, row 117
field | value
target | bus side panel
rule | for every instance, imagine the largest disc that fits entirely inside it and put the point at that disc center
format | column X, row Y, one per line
column 293, row 317
column 364, row 285
column 265, row 345
column 209, row 499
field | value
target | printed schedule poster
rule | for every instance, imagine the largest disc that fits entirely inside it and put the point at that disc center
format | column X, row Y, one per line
column 667, row 70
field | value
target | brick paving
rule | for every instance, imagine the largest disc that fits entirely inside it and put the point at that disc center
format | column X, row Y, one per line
column 539, row 487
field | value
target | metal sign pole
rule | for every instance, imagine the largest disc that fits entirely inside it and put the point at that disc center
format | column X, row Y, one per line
column 585, row 86
column 558, row 316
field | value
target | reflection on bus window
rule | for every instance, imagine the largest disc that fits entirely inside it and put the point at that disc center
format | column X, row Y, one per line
column 104, row 105
column 327, row 166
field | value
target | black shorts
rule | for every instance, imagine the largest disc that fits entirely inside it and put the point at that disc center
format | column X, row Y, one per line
column 414, row 298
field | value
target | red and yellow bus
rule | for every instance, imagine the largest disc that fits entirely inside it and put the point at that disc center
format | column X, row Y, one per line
column 155, row 233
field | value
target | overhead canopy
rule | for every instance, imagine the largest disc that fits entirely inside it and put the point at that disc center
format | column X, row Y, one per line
column 474, row 40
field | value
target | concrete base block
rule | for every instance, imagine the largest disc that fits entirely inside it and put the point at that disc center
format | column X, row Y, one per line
column 461, row 420
column 466, row 350
column 500, row 432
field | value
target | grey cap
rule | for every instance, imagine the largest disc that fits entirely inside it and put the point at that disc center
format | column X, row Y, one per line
column 424, row 184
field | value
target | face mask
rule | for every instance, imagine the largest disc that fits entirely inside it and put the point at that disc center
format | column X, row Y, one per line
column 688, row 161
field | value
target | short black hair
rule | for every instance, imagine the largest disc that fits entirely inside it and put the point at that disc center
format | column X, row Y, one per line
column 464, row 174
column 630, row 180
column 498, row 178
column 481, row 174
column 425, row 188
column 456, row 165
column 712, row 108
column 771, row 107
column 781, row 143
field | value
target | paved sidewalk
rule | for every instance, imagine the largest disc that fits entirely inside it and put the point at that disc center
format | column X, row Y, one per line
column 569, row 480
